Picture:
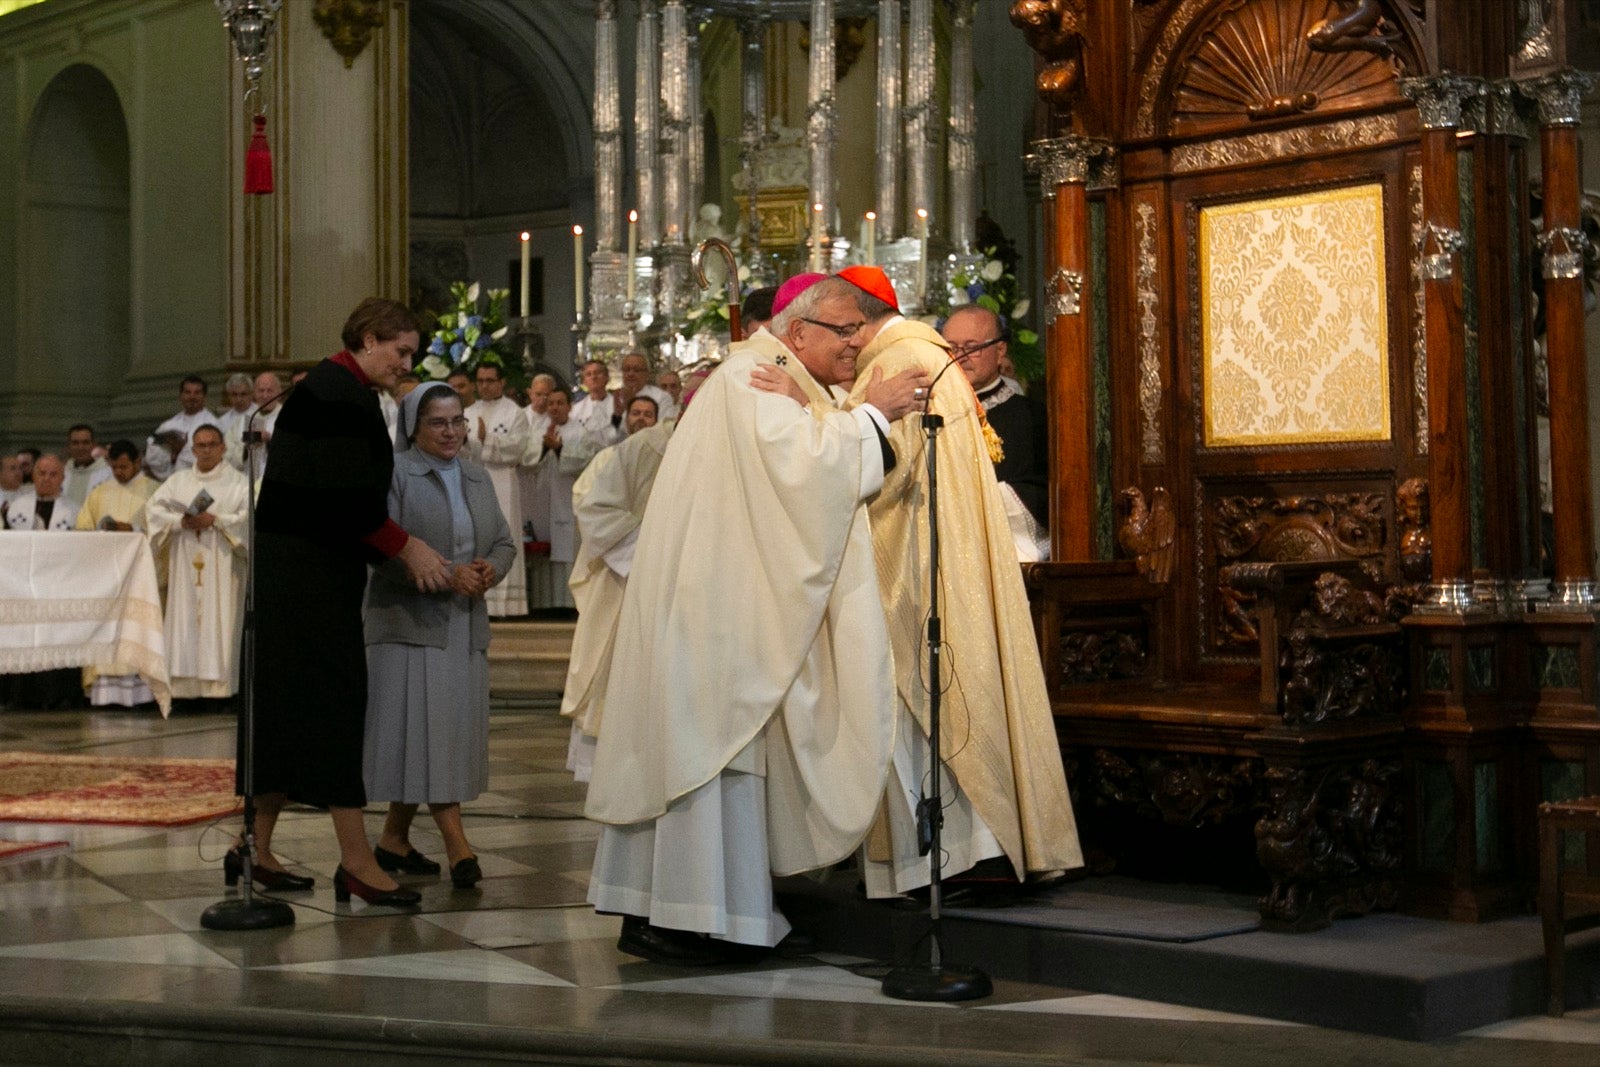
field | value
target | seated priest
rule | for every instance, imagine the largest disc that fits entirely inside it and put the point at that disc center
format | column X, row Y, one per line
column 748, row 714
column 42, row 506
column 1005, row 791
column 197, row 523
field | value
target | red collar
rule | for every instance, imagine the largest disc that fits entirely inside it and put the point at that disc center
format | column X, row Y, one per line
column 348, row 362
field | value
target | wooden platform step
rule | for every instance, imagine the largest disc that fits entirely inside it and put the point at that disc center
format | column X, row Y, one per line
column 528, row 660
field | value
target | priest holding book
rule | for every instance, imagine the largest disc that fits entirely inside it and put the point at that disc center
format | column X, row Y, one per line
column 197, row 523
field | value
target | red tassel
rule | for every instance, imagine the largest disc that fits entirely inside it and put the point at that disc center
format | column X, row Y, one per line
column 258, row 161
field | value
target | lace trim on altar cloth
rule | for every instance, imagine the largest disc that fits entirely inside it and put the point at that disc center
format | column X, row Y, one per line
column 85, row 609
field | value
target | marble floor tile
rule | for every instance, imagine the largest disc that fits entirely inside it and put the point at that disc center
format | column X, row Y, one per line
column 1576, row 1027
column 174, row 949
column 184, row 912
column 58, row 893
column 1105, row 1004
column 461, row 965
column 534, row 831
column 148, row 860
column 42, row 925
column 783, row 983
column 521, row 927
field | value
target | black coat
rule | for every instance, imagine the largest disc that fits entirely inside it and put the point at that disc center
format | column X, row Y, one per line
column 1024, row 435
column 325, row 489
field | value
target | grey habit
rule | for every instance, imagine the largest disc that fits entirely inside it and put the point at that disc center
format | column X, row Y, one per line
column 427, row 731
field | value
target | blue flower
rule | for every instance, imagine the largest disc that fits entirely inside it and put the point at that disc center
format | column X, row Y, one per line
column 436, row 348
column 474, row 320
column 482, row 341
column 974, row 290
column 457, row 350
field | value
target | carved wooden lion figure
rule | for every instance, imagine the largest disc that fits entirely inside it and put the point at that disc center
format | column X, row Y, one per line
column 1054, row 29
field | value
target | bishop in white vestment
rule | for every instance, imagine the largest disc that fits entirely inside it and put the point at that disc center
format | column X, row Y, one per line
column 747, row 720
column 204, row 550
column 497, row 437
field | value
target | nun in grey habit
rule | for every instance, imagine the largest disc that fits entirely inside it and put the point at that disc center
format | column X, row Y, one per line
column 427, row 731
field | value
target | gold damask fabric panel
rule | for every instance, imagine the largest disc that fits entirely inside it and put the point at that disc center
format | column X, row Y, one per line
column 1294, row 322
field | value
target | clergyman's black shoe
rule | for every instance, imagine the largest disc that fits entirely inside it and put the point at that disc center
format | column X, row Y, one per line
column 466, row 874
column 676, row 948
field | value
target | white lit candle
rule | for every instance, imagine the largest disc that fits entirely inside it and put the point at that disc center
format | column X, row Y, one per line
column 577, row 269
column 872, row 237
column 524, row 303
column 633, row 250
column 816, row 237
column 922, row 256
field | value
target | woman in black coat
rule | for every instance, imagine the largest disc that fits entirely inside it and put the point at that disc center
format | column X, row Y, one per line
column 321, row 519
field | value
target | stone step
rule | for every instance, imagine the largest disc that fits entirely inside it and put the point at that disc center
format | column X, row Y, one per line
column 528, row 660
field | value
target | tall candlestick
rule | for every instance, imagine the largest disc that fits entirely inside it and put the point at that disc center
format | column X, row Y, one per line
column 523, row 305
column 633, row 251
column 922, row 256
column 816, row 237
column 872, row 237
column 577, row 269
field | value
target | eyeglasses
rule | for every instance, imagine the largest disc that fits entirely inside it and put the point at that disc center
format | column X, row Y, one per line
column 844, row 333
column 972, row 348
column 441, row 424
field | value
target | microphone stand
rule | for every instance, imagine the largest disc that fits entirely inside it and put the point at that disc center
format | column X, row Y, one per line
column 937, row 980
column 245, row 912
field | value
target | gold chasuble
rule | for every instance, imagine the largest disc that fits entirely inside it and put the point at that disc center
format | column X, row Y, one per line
column 752, row 614
column 998, row 736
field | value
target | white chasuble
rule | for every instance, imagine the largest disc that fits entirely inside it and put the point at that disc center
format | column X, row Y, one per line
column 608, row 501
column 505, row 440
column 205, row 578
column 751, row 623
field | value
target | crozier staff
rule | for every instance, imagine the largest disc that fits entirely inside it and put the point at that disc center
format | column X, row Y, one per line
column 322, row 518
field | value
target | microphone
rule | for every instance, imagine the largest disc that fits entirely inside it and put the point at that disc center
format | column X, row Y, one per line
column 927, row 398
column 253, row 437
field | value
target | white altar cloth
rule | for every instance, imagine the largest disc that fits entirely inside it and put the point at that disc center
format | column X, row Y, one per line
column 81, row 600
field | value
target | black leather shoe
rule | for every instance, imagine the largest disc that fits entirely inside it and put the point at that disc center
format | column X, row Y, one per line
column 675, row 948
column 412, row 862
column 466, row 874
column 276, row 881
column 345, row 883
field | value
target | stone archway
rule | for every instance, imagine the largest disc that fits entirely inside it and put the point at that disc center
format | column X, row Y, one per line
column 75, row 244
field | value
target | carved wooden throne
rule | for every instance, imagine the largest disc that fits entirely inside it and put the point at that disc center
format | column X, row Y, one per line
column 1288, row 286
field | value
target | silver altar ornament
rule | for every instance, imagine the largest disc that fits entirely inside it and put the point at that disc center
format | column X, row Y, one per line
column 1563, row 248
column 250, row 23
column 1439, row 265
column 1064, row 295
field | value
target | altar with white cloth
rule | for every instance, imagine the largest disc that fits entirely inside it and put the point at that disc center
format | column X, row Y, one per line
column 81, row 599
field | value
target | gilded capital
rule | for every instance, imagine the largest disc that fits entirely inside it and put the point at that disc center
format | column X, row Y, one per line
column 1439, row 98
column 1072, row 159
column 1559, row 95
column 349, row 24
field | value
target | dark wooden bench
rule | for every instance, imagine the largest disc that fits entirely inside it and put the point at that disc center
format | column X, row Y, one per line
column 1569, row 901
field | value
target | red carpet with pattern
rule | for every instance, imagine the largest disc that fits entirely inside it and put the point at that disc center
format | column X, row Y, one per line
column 116, row 790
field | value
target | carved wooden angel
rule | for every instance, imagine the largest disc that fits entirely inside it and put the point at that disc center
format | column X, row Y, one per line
column 1147, row 532
column 1054, row 29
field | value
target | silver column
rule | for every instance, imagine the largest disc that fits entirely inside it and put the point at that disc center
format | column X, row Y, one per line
column 962, row 151
column 646, row 129
column 697, row 134
column 675, row 123
column 887, row 196
column 820, row 111
column 920, row 60
column 607, row 130
column 753, row 128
